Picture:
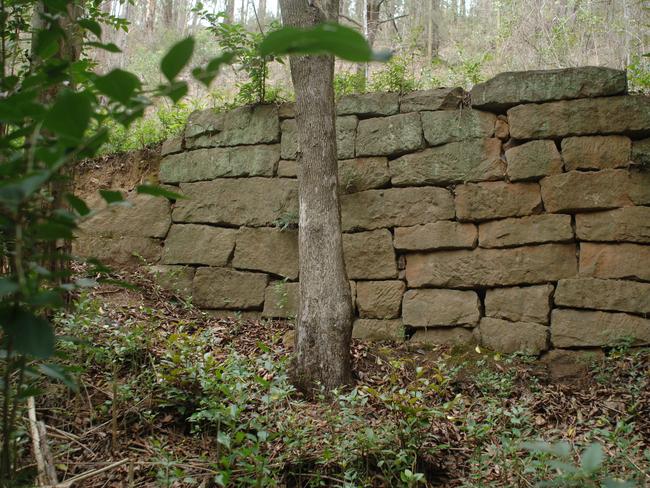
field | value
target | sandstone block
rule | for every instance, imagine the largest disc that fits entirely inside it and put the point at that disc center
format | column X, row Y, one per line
column 370, row 255
column 534, row 229
column 629, row 224
column 435, row 99
column 575, row 191
column 447, row 126
column 510, row 337
column 281, row 300
column 369, row 104
column 171, row 146
column 639, row 190
column 497, row 199
column 641, row 152
column 119, row 250
column 520, row 304
column 289, row 146
column 624, row 261
column 236, row 315
column 446, row 336
column 387, row 136
column 198, row 244
column 346, row 130
column 456, row 162
column 177, row 279
column 628, row 115
column 253, row 202
column 374, row 209
column 287, row 169
column 426, row 308
column 492, row 267
column 614, row 295
column 225, row 288
column 380, row 299
column 437, row 235
column 513, row 88
column 271, row 250
column 502, row 128
column 533, row 160
column 286, row 110
column 596, row 152
column 363, row 174
column 582, row 328
column 378, row 330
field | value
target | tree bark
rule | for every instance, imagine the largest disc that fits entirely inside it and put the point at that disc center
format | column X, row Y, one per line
column 230, row 11
column 324, row 324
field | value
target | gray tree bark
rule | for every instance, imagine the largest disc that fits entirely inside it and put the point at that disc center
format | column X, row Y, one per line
column 324, row 325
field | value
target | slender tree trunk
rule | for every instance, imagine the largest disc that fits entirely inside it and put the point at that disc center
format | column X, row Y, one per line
column 324, row 325
column 261, row 12
column 230, row 11
column 151, row 15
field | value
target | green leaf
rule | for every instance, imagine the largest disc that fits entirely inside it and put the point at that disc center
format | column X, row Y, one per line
column 110, row 47
column 52, row 231
column 92, row 26
column 57, row 372
column 119, row 85
column 31, row 335
column 335, row 39
column 175, row 90
column 111, row 196
column 7, row 287
column 70, row 115
column 209, row 73
column 159, row 191
column 77, row 204
column 592, row 458
column 177, row 58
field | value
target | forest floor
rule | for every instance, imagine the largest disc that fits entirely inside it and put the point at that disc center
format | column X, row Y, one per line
column 181, row 398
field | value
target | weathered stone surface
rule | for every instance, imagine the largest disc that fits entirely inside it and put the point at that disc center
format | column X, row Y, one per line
column 641, row 152
column 582, row 328
column 630, row 224
column 509, row 89
column 286, row 110
column 287, row 169
column 425, row 308
column 272, row 250
column 118, row 249
column 380, row 299
column 497, row 199
column 596, row 152
column 509, row 337
column 639, row 186
column 437, row 235
column 575, row 191
column 520, row 303
column 171, row 146
column 198, row 244
column 434, row 99
column 566, row 365
column 289, row 146
column 225, row 288
column 369, row 104
column 238, row 315
column 615, row 261
column 502, row 128
column 369, row 255
column 378, row 330
column 346, row 130
column 492, row 267
column 257, row 124
column 374, row 209
column 615, row 295
column 386, row 136
column 612, row 115
column 456, row 162
column 177, row 279
column 253, row 202
column 208, row 164
column 363, row 174
column 533, row 160
column 534, row 229
column 446, row 336
column 447, row 126
column 281, row 300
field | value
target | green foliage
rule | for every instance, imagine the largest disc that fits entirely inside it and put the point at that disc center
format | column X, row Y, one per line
column 346, row 83
column 638, row 73
column 395, row 77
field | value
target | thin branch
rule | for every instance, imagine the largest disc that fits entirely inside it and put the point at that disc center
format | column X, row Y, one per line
column 349, row 19
column 393, row 19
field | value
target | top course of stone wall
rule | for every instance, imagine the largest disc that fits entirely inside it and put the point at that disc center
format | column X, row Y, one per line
column 521, row 221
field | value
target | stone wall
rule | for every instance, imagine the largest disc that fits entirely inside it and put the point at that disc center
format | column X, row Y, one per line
column 521, row 221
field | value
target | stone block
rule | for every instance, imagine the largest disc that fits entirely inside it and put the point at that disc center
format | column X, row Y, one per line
column 520, row 303
column 368, row 104
column 378, row 330
column 597, row 294
column 434, row 99
column 628, row 115
column 346, row 132
column 234, row 315
column 376, row 209
column 177, row 279
column 388, row 136
column 502, row 128
column 629, row 224
column 596, row 152
column 618, row 261
column 286, row 110
column 437, row 235
column 457, row 162
column 370, row 255
column 497, row 199
column 118, row 250
column 281, row 300
column 253, row 202
column 513, row 88
column 445, row 336
column 641, row 152
column 225, row 288
column 534, row 229
column 582, row 328
column 492, row 267
column 287, row 169
column 447, row 126
column 363, row 174
column 379, row 299
column 274, row 251
column 289, row 146
column 576, row 191
column 510, row 337
column 427, row 308
column 533, row 160
column 639, row 189
column 171, row 146
column 198, row 244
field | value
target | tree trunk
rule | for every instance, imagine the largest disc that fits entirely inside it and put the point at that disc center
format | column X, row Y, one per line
column 230, row 11
column 151, row 14
column 261, row 12
column 324, row 325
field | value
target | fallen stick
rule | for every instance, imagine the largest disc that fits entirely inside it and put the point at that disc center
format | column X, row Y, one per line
column 88, row 474
column 42, row 477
